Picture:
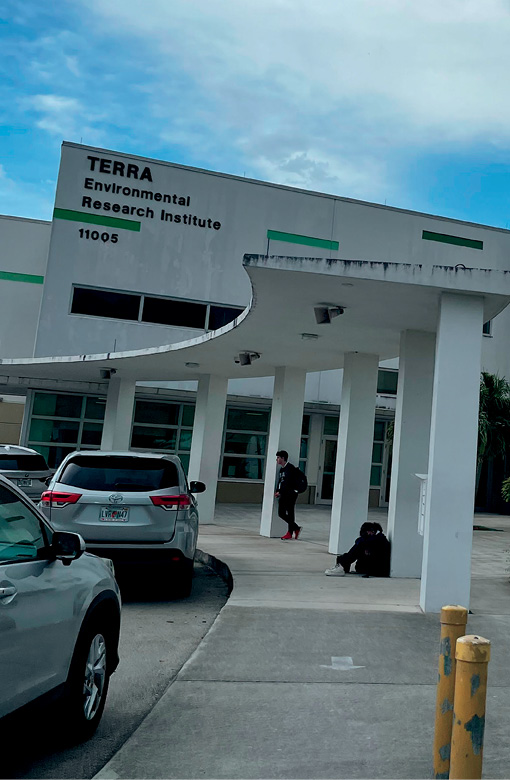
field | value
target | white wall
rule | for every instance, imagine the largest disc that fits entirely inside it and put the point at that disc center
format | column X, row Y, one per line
column 205, row 264
column 23, row 250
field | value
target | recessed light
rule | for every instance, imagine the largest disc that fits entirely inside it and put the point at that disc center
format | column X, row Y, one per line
column 192, row 365
column 309, row 336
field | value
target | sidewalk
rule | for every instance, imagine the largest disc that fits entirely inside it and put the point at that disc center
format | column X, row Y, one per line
column 307, row 676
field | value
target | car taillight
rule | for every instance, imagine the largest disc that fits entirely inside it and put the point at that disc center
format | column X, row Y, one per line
column 56, row 498
column 172, row 502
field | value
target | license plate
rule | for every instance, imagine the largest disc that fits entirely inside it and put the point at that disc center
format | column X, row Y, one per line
column 24, row 482
column 112, row 514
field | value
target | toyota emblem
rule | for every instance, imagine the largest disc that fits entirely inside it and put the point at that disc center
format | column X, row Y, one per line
column 116, row 498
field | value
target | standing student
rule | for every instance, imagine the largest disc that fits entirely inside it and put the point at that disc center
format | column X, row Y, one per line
column 287, row 493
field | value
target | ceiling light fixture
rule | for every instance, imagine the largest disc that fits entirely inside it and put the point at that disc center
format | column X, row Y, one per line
column 309, row 336
column 192, row 365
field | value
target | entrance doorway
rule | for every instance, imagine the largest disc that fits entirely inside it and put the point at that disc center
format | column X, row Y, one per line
column 379, row 473
column 327, row 470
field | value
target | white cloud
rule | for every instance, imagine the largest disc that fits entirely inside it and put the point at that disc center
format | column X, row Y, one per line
column 64, row 117
column 329, row 87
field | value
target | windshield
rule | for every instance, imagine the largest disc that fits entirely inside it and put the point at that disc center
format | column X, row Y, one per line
column 22, row 462
column 120, row 473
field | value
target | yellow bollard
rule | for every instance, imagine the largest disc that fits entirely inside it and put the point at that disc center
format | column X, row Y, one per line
column 453, row 626
column 473, row 654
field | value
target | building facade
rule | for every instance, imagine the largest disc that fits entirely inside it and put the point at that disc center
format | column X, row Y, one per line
column 141, row 253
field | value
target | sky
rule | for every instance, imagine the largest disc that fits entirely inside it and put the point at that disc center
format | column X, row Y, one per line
column 391, row 101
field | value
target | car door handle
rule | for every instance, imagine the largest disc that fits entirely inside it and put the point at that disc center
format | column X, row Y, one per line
column 4, row 592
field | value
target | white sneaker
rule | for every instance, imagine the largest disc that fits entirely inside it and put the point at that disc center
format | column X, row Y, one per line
column 336, row 571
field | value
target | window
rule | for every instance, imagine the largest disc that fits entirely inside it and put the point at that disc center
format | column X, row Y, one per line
column 105, row 303
column 487, row 328
column 331, row 425
column 22, row 462
column 21, row 533
column 164, row 426
column 221, row 315
column 182, row 314
column 387, row 382
column 158, row 310
column 245, row 444
column 377, row 453
column 129, row 474
column 61, row 423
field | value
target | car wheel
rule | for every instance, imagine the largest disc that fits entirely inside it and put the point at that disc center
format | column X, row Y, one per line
column 87, row 684
column 184, row 579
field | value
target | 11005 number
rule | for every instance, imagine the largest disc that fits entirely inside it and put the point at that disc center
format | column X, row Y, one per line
column 95, row 235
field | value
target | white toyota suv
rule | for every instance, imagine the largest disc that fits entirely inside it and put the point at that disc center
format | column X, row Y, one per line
column 59, row 617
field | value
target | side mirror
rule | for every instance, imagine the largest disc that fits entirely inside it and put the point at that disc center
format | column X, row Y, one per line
column 196, row 487
column 67, row 546
column 48, row 480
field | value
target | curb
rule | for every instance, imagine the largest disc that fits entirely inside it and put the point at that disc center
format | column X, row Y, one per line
column 217, row 566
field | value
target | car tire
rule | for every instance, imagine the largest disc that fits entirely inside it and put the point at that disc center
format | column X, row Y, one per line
column 87, row 684
column 184, row 579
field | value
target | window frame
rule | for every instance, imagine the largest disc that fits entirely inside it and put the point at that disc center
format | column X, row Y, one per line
column 177, row 428
column 36, row 444
column 240, row 456
column 143, row 296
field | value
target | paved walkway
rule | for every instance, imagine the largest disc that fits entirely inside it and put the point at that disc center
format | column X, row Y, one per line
column 307, row 676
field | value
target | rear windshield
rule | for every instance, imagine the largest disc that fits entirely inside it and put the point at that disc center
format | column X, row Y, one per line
column 22, row 462
column 122, row 473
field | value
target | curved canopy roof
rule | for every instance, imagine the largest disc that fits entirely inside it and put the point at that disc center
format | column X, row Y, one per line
column 379, row 300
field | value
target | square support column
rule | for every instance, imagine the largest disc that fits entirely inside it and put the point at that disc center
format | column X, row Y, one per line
column 206, row 442
column 284, row 433
column 410, row 450
column 118, row 416
column 446, row 571
column 354, row 451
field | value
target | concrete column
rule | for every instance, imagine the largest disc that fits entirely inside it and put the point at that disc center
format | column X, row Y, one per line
column 446, row 571
column 354, row 452
column 410, row 450
column 284, row 433
column 118, row 416
column 206, row 443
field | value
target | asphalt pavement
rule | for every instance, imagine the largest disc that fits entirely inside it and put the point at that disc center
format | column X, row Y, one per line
column 158, row 636
column 307, row 676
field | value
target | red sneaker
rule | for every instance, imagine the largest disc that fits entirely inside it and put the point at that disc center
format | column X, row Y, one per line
column 288, row 535
column 296, row 533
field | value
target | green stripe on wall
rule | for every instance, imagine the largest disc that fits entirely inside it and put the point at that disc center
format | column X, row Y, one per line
column 457, row 240
column 8, row 276
column 292, row 238
column 96, row 219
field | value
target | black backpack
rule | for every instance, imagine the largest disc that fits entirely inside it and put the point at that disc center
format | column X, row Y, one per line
column 301, row 481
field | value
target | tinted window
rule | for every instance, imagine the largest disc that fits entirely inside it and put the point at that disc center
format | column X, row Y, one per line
column 105, row 303
column 120, row 473
column 21, row 533
column 222, row 315
column 387, row 382
column 23, row 462
column 167, row 312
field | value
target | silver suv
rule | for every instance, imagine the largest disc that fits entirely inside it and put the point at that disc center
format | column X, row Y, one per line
column 59, row 626
column 26, row 468
column 134, row 507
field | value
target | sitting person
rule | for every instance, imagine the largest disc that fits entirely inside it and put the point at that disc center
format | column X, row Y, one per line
column 370, row 553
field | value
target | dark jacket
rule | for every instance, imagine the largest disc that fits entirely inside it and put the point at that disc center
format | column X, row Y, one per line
column 287, row 481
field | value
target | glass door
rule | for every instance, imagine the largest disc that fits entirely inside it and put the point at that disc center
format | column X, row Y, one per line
column 327, row 470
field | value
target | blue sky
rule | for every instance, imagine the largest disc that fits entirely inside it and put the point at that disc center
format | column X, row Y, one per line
column 391, row 101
